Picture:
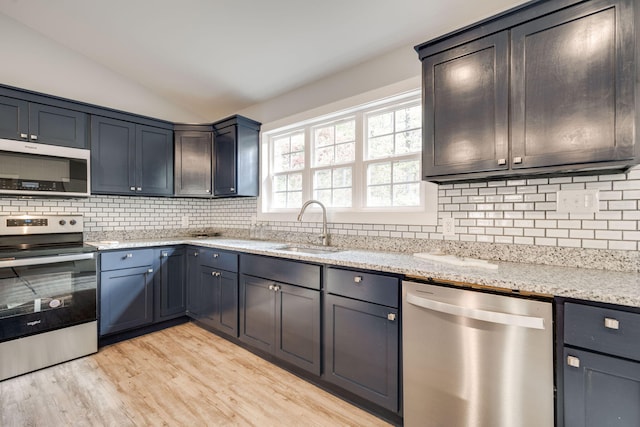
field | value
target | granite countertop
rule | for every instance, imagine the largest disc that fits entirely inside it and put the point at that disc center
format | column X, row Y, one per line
column 588, row 284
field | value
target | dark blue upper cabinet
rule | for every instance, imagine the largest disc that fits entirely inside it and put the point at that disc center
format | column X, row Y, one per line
column 236, row 157
column 130, row 159
column 545, row 88
column 46, row 124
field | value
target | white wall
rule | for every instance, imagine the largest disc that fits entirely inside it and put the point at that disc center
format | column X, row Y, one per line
column 34, row 62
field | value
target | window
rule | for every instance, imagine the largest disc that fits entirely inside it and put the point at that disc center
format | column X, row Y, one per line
column 363, row 164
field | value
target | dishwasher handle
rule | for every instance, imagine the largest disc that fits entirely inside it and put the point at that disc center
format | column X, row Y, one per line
column 477, row 314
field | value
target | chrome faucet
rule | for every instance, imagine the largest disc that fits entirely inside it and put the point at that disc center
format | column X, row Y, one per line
column 324, row 236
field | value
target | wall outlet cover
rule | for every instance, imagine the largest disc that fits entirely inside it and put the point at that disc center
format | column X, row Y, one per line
column 578, row 201
column 448, row 226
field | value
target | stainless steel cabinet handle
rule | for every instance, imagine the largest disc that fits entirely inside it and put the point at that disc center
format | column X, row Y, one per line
column 477, row 314
column 208, row 191
column 271, row 287
column 23, row 135
column 391, row 316
column 34, row 137
column 150, row 270
column 216, row 255
column 502, row 162
column 132, row 188
column 610, row 323
column 517, row 160
column 139, row 189
column 232, row 189
column 128, row 256
column 215, row 273
column 195, row 254
column 357, row 279
column 276, row 288
column 573, row 361
column 165, row 254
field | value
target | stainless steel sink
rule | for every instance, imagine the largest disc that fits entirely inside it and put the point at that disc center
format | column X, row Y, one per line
column 309, row 249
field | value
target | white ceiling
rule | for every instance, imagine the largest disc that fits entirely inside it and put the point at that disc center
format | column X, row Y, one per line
column 216, row 57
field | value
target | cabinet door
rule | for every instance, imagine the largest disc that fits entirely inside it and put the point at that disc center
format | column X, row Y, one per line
column 113, row 156
column 465, row 103
column 572, row 86
column 298, row 326
column 193, row 282
column 154, row 161
column 225, row 160
column 219, row 305
column 193, row 163
column 126, row 299
column 57, row 126
column 361, row 349
column 257, row 312
column 601, row 390
column 14, row 118
column 171, row 290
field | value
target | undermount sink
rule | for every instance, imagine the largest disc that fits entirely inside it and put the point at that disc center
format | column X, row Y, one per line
column 309, row 249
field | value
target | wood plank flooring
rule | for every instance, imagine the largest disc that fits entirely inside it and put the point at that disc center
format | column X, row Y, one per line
column 181, row 376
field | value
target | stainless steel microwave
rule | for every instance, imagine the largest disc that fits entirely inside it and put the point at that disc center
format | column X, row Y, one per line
column 30, row 169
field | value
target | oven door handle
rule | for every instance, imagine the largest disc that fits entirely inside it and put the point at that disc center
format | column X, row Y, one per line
column 24, row 262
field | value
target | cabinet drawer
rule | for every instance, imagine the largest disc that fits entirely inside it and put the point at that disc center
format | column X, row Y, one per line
column 606, row 330
column 370, row 287
column 216, row 258
column 126, row 259
column 281, row 270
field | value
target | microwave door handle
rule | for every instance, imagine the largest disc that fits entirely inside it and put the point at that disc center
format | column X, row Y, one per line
column 24, row 262
column 477, row 314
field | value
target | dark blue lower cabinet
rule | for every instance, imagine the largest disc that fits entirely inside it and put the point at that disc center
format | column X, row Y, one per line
column 126, row 299
column 281, row 319
column 170, row 295
column 362, row 349
column 600, row 390
column 219, row 300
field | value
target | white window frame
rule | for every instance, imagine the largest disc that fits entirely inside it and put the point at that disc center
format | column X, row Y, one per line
column 426, row 214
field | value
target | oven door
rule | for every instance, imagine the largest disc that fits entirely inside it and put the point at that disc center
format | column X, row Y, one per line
column 46, row 293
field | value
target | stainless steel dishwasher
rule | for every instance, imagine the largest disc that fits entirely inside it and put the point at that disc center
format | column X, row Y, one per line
column 476, row 359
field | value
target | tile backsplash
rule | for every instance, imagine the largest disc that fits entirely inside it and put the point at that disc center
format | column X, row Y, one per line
column 493, row 219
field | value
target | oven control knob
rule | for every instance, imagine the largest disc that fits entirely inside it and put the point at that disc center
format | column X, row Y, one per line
column 73, row 222
column 62, row 222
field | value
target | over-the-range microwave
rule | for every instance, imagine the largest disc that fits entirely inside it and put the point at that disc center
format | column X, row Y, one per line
column 34, row 169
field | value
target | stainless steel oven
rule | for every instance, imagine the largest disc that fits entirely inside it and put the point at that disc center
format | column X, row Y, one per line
column 48, row 287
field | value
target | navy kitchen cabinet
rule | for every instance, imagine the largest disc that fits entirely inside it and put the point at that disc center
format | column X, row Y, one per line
column 126, row 290
column 281, row 318
column 236, row 157
column 361, row 338
column 130, row 159
column 601, row 366
column 213, row 289
column 543, row 89
column 46, row 124
column 170, row 283
column 193, row 162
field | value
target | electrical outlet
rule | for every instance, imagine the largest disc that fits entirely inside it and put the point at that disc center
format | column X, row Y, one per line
column 448, row 226
column 578, row 201
column 185, row 222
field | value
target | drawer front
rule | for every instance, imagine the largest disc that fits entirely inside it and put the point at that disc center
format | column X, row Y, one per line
column 608, row 331
column 281, row 270
column 126, row 259
column 216, row 258
column 369, row 287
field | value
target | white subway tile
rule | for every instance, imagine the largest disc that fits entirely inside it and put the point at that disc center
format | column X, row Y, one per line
column 523, row 240
column 561, row 233
column 594, row 244
column 608, row 234
column 569, row 243
column 545, row 241
column 623, row 246
column 623, row 225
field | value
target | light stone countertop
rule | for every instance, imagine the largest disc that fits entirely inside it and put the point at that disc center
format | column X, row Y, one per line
column 588, row 284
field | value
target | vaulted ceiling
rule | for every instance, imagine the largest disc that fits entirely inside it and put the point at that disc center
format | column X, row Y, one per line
column 210, row 58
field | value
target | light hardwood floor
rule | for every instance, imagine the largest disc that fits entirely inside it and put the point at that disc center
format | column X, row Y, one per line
column 181, row 376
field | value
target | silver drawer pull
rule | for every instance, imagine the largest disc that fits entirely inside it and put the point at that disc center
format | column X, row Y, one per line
column 216, row 255
column 129, row 256
column 502, row 162
column 215, row 273
column 132, row 188
column 165, row 254
column 139, row 189
column 271, row 287
column 391, row 316
column 357, row 279
column 23, row 135
column 610, row 323
column 195, row 254
column 150, row 270
column 34, row 137
column 573, row 361
column 517, row 160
